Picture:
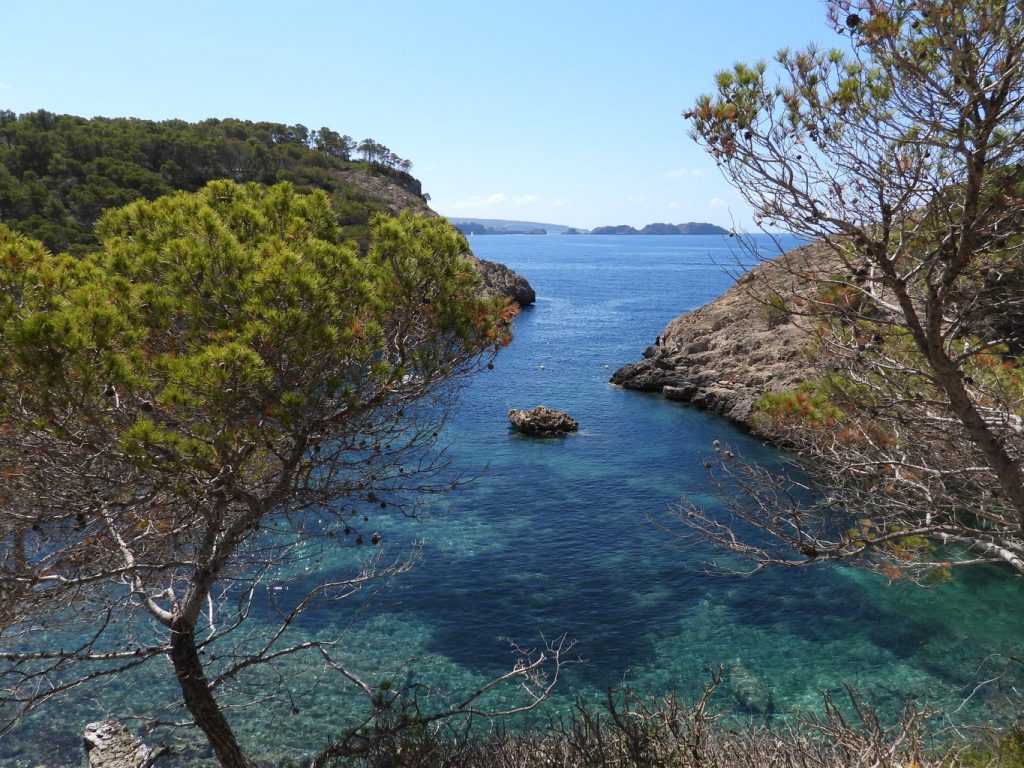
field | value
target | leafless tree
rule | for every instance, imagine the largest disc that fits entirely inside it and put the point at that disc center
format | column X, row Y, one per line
column 633, row 732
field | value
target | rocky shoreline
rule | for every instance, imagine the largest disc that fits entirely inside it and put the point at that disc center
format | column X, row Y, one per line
column 499, row 280
column 727, row 354
column 400, row 194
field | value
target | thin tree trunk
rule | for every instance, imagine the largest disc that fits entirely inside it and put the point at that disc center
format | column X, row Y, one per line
column 195, row 690
column 930, row 344
column 1006, row 469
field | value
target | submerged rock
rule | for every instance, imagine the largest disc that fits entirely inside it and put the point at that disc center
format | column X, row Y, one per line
column 542, row 421
column 750, row 690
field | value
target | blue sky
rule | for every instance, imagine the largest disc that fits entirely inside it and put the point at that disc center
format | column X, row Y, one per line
column 564, row 112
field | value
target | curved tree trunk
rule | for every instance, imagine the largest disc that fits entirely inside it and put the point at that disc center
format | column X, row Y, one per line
column 198, row 697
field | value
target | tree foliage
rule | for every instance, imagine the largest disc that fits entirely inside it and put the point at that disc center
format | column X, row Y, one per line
column 903, row 158
column 201, row 409
column 58, row 173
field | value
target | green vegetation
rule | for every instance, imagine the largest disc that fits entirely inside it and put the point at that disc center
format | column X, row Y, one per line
column 810, row 404
column 58, row 173
column 193, row 412
column 775, row 310
column 1006, row 751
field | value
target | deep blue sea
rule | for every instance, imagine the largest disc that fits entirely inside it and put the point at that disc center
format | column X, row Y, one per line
column 556, row 537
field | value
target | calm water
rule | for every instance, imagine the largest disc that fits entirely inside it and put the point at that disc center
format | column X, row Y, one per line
column 555, row 538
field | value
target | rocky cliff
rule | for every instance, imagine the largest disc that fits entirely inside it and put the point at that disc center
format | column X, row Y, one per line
column 396, row 191
column 498, row 279
column 726, row 355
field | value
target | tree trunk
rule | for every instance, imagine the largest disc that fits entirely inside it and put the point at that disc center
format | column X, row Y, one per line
column 1006, row 469
column 198, row 697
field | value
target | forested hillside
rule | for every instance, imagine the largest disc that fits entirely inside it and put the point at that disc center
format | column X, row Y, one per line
column 59, row 172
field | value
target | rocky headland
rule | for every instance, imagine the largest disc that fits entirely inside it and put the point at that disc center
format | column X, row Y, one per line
column 396, row 191
column 404, row 194
column 727, row 354
column 400, row 194
column 499, row 280
column 144, row 159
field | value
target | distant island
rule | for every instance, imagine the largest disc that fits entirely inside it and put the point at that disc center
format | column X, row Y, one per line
column 688, row 228
column 472, row 228
column 510, row 227
column 505, row 227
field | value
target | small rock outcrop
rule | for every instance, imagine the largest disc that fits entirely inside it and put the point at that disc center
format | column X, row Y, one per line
column 109, row 744
column 542, row 421
column 499, row 280
column 726, row 355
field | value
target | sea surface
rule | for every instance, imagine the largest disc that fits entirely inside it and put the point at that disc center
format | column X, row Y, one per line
column 561, row 537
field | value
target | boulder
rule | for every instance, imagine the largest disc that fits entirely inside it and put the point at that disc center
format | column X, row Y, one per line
column 542, row 421
column 644, row 376
column 499, row 280
column 109, row 744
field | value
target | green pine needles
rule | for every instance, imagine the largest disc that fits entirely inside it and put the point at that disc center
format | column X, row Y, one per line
column 175, row 403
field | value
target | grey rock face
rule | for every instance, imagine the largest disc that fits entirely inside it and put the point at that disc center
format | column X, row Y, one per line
column 398, row 194
column 729, row 353
column 499, row 280
column 644, row 376
column 109, row 744
column 542, row 421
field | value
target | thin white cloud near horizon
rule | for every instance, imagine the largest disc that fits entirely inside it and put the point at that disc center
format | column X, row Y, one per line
column 717, row 202
column 5, row 86
column 479, row 201
column 488, row 202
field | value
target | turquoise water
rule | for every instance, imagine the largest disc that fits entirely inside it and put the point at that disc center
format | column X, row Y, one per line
column 555, row 538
